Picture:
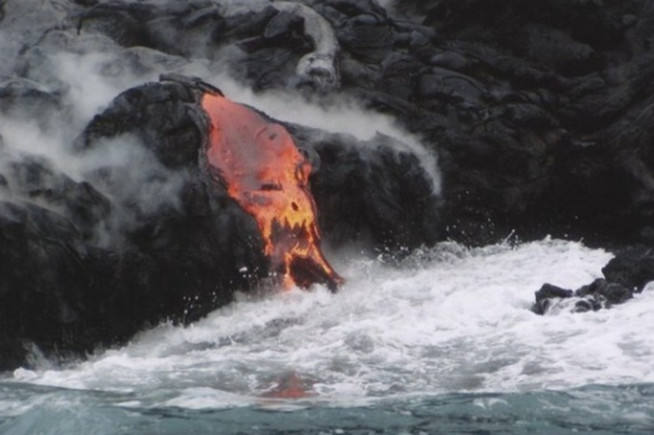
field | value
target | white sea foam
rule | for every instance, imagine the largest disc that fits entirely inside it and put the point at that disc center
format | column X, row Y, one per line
column 448, row 320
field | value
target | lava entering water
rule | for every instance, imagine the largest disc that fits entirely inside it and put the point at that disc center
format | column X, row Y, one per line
column 268, row 177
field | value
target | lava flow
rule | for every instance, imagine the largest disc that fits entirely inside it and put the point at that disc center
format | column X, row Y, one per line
column 266, row 174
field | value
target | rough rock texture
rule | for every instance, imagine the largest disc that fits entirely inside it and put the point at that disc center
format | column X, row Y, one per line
column 67, row 292
column 625, row 275
column 592, row 297
column 544, row 111
column 367, row 193
column 175, row 259
column 540, row 113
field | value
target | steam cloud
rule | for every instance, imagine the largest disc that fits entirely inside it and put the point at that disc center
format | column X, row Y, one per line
column 80, row 74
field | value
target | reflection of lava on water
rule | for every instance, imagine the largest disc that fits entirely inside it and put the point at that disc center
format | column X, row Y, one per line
column 266, row 174
column 290, row 386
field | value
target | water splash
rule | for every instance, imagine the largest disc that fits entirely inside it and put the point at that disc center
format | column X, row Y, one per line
column 447, row 320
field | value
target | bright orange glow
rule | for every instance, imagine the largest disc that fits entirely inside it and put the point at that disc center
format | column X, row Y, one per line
column 268, row 177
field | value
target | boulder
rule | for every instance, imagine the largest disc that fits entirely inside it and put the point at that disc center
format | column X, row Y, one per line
column 625, row 275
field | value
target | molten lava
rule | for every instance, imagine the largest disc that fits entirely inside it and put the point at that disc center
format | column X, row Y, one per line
column 266, row 174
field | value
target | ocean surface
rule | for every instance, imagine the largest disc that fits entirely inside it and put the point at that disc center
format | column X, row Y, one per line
column 443, row 342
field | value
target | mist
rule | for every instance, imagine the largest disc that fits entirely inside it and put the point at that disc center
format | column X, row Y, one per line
column 81, row 73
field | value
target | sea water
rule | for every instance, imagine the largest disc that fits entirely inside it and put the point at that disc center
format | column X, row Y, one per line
column 443, row 341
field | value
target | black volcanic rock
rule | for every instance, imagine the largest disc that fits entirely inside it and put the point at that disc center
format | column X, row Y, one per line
column 68, row 289
column 592, row 297
column 97, row 267
column 613, row 293
column 367, row 193
column 546, row 294
column 625, row 275
column 541, row 115
column 632, row 268
column 540, row 111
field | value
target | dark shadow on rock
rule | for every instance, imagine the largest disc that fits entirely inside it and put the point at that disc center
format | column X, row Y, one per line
column 89, row 263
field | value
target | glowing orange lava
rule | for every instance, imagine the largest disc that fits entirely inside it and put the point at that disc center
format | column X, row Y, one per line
column 268, row 177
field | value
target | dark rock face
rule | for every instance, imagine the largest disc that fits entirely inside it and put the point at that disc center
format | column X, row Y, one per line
column 632, row 268
column 592, row 297
column 66, row 292
column 540, row 113
column 367, row 193
column 403, row 215
column 177, row 260
column 533, row 107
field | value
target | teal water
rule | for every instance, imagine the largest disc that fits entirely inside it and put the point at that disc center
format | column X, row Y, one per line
column 444, row 342
column 596, row 409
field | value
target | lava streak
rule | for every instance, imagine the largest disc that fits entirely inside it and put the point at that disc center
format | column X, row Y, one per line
column 268, row 177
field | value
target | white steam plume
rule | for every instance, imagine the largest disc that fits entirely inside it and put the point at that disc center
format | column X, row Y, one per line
column 88, row 71
column 340, row 114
